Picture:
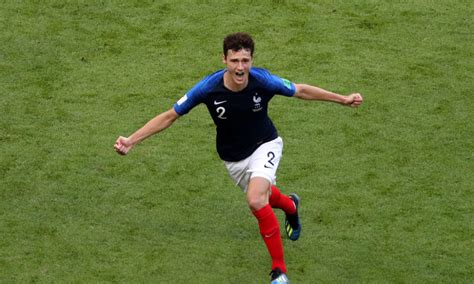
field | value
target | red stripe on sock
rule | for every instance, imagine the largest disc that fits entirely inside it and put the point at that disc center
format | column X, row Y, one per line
column 281, row 201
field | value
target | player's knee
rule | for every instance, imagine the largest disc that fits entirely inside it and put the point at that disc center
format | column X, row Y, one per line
column 256, row 202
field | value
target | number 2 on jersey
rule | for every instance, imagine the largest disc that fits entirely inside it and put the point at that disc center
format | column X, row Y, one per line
column 221, row 112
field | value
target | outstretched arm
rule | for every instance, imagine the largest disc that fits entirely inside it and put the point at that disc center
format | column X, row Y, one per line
column 308, row 92
column 154, row 126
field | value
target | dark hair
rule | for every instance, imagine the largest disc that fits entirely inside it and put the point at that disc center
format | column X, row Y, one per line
column 238, row 41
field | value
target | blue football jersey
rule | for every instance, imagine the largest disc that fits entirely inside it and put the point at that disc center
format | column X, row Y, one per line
column 241, row 118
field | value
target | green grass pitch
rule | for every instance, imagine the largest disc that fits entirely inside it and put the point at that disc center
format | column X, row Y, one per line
column 387, row 189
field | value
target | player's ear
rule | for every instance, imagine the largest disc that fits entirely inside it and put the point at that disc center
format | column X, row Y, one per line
column 224, row 59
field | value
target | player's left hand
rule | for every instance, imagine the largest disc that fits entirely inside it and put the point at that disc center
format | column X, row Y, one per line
column 354, row 100
column 123, row 145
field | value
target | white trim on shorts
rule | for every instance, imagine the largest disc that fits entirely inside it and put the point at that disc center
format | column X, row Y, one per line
column 263, row 162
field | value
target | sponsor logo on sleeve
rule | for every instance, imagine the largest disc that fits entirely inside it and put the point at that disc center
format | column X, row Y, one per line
column 183, row 99
column 287, row 83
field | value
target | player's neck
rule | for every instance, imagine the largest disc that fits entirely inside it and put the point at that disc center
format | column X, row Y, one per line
column 233, row 86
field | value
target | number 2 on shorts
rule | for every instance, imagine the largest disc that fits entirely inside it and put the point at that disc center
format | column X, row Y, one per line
column 270, row 155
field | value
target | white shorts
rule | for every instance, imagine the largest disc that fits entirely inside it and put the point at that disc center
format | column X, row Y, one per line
column 262, row 163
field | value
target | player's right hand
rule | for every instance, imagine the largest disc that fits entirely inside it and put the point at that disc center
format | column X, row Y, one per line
column 354, row 100
column 123, row 145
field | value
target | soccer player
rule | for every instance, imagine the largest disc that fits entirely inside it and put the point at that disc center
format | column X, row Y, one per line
column 237, row 99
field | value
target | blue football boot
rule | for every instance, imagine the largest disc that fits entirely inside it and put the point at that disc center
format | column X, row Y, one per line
column 292, row 222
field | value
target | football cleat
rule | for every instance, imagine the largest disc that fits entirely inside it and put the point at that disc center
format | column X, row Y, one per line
column 278, row 277
column 292, row 222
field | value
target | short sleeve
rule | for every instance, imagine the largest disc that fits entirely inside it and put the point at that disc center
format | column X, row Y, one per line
column 191, row 99
column 197, row 94
column 274, row 83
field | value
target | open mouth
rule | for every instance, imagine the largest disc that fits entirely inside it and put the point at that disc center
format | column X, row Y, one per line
column 240, row 75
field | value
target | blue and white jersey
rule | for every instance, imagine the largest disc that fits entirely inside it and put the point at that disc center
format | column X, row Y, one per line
column 241, row 118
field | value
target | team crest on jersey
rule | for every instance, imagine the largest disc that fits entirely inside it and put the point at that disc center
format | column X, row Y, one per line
column 257, row 100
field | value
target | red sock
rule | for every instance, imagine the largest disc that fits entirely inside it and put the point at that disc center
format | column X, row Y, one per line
column 270, row 231
column 281, row 201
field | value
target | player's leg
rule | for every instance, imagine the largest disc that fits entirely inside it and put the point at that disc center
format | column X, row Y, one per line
column 254, row 176
column 264, row 162
column 257, row 197
column 289, row 204
column 281, row 201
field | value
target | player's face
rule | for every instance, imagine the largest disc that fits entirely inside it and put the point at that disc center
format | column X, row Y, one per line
column 238, row 67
